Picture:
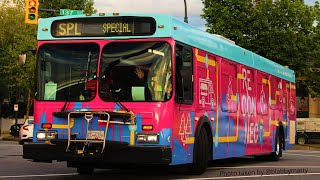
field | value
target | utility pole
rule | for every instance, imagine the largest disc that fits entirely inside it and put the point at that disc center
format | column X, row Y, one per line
column 185, row 12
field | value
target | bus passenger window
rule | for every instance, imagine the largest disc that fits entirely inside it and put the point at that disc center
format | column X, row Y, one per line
column 184, row 82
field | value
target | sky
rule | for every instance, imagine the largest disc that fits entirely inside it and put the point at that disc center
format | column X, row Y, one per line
column 171, row 7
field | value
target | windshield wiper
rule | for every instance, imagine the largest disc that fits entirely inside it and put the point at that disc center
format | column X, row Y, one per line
column 117, row 102
column 113, row 98
column 85, row 77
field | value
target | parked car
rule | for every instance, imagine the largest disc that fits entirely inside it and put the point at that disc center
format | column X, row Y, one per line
column 14, row 130
column 26, row 132
column 308, row 130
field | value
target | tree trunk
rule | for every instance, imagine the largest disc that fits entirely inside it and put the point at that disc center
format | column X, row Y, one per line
column 29, row 102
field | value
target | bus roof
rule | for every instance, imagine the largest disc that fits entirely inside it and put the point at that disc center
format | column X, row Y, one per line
column 168, row 26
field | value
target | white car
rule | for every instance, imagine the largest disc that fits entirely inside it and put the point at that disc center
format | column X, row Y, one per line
column 26, row 132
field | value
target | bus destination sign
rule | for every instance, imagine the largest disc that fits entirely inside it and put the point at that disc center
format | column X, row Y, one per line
column 104, row 26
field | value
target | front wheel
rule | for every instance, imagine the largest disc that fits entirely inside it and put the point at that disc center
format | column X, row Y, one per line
column 21, row 142
column 85, row 170
column 302, row 139
column 200, row 154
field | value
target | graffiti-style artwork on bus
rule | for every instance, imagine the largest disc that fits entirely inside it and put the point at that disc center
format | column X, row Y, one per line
column 130, row 89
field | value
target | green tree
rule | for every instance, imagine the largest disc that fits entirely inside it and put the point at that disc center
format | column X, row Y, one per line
column 85, row 5
column 15, row 38
column 284, row 31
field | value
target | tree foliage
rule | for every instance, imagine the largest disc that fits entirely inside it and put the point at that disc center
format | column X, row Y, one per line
column 85, row 5
column 16, row 37
column 285, row 31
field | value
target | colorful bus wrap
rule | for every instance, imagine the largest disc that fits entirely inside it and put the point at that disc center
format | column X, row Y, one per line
column 115, row 89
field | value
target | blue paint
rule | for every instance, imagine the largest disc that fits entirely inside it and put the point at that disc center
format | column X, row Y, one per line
column 223, row 150
column 224, row 102
column 207, row 61
column 77, row 105
column 192, row 114
column 179, row 154
column 109, row 133
column 117, row 107
column 139, row 122
column 37, row 126
column 223, row 124
column 77, row 127
column 35, row 129
column 163, row 137
column 125, row 134
column 231, row 126
column 216, row 139
column 117, row 132
column 240, row 146
column 261, row 133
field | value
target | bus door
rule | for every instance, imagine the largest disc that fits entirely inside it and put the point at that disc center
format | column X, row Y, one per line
column 184, row 114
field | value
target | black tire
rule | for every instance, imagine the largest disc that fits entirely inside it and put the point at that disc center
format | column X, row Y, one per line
column 85, row 170
column 302, row 139
column 200, row 154
column 21, row 142
column 275, row 156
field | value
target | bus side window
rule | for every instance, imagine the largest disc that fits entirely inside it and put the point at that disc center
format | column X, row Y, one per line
column 184, row 81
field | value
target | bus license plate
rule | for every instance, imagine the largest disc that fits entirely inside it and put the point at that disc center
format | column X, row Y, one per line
column 99, row 135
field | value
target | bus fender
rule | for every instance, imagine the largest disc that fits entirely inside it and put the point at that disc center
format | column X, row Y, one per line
column 204, row 120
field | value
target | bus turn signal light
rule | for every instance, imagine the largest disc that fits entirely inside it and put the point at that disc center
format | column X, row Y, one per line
column 46, row 125
column 147, row 127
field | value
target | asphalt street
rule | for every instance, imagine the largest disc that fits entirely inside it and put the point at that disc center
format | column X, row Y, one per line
column 295, row 164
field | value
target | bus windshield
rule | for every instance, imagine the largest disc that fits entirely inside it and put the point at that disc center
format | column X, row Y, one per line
column 136, row 71
column 67, row 72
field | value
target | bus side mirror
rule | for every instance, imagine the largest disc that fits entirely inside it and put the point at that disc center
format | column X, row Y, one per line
column 22, row 59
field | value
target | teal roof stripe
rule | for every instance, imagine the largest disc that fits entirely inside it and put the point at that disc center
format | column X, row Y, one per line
column 189, row 35
column 215, row 45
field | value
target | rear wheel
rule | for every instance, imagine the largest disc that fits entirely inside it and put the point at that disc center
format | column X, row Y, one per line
column 85, row 170
column 275, row 156
column 200, row 154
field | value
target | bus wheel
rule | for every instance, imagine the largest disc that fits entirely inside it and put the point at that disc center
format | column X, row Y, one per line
column 200, row 154
column 85, row 170
column 275, row 156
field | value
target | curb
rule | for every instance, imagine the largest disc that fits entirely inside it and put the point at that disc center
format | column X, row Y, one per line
column 306, row 147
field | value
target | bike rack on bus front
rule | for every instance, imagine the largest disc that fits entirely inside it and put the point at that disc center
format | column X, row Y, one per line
column 88, row 116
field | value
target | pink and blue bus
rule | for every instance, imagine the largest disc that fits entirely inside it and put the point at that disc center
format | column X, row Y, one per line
column 122, row 89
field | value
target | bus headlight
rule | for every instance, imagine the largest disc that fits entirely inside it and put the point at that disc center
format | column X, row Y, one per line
column 46, row 135
column 147, row 138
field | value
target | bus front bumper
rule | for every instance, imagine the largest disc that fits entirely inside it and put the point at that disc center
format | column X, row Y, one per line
column 115, row 153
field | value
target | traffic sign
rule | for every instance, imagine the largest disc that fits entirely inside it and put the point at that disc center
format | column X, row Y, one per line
column 66, row 12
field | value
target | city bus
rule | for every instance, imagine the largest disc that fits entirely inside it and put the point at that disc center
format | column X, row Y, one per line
column 148, row 89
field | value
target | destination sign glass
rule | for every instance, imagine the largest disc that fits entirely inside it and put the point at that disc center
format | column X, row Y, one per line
column 104, row 26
